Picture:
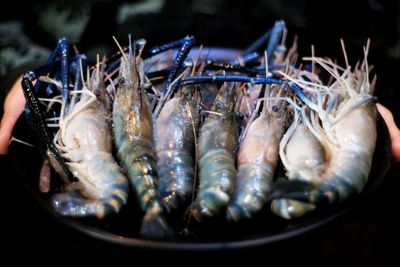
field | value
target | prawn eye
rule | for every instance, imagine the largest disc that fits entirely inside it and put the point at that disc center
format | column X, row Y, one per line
column 219, row 105
column 186, row 93
column 121, row 80
column 239, row 115
column 275, row 108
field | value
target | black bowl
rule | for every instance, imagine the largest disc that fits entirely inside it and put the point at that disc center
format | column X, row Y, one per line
column 264, row 228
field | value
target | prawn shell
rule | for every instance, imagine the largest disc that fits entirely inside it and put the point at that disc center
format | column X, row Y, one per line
column 257, row 160
column 175, row 149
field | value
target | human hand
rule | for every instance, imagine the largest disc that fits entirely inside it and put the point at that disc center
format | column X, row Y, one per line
column 13, row 106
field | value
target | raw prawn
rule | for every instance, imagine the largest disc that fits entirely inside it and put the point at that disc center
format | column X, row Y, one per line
column 351, row 132
column 175, row 131
column 133, row 137
column 304, row 159
column 85, row 141
column 217, row 153
column 257, row 159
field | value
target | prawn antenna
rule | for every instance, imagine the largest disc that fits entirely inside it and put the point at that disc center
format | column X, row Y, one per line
column 196, row 60
column 344, row 53
column 120, row 49
column 313, row 56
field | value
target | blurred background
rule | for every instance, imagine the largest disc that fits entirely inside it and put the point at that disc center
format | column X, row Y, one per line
column 29, row 30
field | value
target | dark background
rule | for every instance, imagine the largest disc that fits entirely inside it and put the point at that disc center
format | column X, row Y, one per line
column 30, row 29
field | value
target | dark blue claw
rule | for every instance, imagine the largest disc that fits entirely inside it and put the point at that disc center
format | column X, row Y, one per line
column 230, row 78
column 60, row 50
column 174, row 44
column 253, row 57
column 210, row 65
column 276, row 35
column 64, row 53
column 273, row 37
column 76, row 62
column 44, row 142
column 254, row 46
column 75, row 66
column 58, row 56
column 158, row 73
column 187, row 43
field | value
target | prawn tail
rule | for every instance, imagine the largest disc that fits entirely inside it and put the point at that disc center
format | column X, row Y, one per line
column 294, row 198
column 252, row 189
column 246, row 207
column 291, row 209
column 68, row 204
column 174, row 201
column 236, row 211
column 155, row 226
column 209, row 203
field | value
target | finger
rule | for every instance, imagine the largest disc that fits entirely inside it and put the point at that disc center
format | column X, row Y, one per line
column 7, row 125
column 15, row 101
column 393, row 131
column 13, row 107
